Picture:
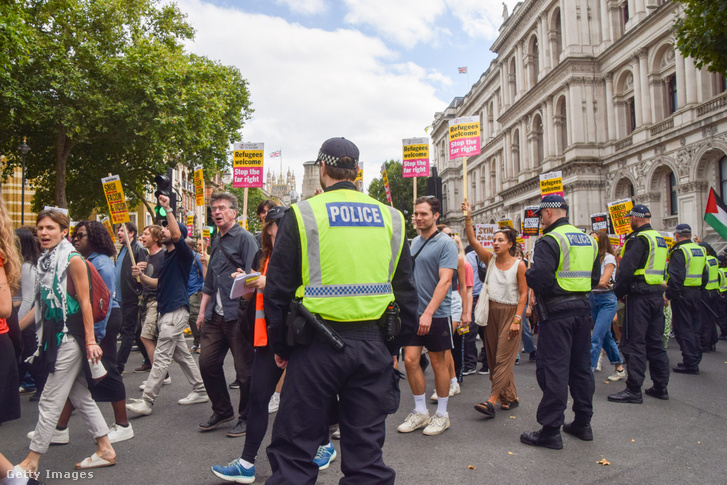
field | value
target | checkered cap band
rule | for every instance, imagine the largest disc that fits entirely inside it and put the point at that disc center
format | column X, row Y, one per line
column 639, row 214
column 552, row 205
column 333, row 161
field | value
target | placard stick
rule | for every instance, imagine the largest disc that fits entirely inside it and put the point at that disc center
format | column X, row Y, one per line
column 244, row 208
column 128, row 246
column 464, row 181
column 415, row 190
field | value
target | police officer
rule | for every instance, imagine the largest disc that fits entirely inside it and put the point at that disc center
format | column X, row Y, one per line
column 345, row 255
column 687, row 264
column 710, row 302
column 639, row 282
column 565, row 268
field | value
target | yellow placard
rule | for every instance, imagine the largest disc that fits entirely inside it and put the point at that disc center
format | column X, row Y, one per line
column 359, row 175
column 551, row 184
column 504, row 222
column 115, row 197
column 669, row 238
column 72, row 228
column 190, row 218
column 198, row 186
column 618, row 210
column 107, row 224
column 615, row 241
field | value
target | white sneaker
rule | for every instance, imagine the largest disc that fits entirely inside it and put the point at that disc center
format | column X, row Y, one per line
column 167, row 381
column 194, row 398
column 139, row 406
column 433, row 398
column 437, row 425
column 414, row 421
column 600, row 361
column 120, row 433
column 454, row 388
column 274, row 403
column 617, row 375
column 60, row 437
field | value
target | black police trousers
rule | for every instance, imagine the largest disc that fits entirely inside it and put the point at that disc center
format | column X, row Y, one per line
column 564, row 360
column 686, row 317
column 710, row 311
column 642, row 340
column 362, row 375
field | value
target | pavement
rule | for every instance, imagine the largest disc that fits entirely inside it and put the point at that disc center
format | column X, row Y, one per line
column 682, row 440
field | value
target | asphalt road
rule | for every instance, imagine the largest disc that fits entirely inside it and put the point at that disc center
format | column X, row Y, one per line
column 682, row 440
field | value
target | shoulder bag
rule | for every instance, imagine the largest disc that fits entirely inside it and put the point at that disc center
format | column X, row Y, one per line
column 482, row 309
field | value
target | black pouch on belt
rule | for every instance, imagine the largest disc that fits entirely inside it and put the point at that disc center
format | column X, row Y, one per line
column 300, row 333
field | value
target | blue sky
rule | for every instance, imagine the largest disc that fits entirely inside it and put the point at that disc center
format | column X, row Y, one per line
column 373, row 71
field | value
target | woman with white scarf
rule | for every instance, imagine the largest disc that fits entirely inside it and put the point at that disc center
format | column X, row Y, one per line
column 66, row 342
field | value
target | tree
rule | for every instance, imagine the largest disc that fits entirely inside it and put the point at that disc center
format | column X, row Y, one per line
column 701, row 33
column 402, row 192
column 105, row 86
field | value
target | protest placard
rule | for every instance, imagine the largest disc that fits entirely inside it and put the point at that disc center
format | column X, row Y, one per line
column 531, row 222
column 464, row 137
column 484, row 233
column 247, row 164
column 115, row 197
column 600, row 222
column 504, row 222
column 618, row 210
column 198, row 186
column 615, row 240
column 415, row 161
column 551, row 184
column 107, row 224
column 385, row 178
column 206, row 234
column 669, row 238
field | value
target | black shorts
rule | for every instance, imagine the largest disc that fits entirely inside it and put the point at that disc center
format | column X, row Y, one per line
column 438, row 339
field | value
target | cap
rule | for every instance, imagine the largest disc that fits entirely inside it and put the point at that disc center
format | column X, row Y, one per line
column 640, row 210
column 722, row 258
column 683, row 229
column 276, row 212
column 552, row 202
column 334, row 149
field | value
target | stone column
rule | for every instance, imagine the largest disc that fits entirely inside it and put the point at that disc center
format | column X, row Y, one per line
column 519, row 75
column 644, row 81
column 690, row 76
column 504, row 84
column 575, row 104
column 610, row 116
column 544, row 40
column 637, row 92
column 605, row 25
column 681, row 81
column 509, row 169
column 496, row 113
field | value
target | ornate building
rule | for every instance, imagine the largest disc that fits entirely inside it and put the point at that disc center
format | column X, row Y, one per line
column 593, row 88
column 310, row 180
column 281, row 188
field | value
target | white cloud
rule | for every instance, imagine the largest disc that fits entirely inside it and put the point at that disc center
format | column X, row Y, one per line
column 407, row 22
column 308, row 85
column 305, row 7
column 480, row 19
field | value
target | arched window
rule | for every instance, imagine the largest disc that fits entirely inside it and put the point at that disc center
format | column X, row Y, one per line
column 663, row 78
column 723, row 177
column 561, row 126
column 513, row 79
column 630, row 115
column 672, row 102
column 673, row 202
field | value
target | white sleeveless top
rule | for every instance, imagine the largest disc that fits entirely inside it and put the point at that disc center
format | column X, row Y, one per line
column 502, row 285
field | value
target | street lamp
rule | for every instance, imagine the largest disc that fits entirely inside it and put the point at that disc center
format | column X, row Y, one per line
column 24, row 149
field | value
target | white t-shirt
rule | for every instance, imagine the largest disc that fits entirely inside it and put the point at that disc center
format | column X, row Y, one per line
column 608, row 259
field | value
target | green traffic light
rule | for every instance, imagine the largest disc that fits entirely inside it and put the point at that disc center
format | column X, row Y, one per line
column 160, row 211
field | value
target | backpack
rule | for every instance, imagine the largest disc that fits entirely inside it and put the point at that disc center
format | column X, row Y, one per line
column 99, row 293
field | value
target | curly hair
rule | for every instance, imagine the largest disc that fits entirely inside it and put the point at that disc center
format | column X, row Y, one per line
column 98, row 237
column 511, row 236
column 9, row 249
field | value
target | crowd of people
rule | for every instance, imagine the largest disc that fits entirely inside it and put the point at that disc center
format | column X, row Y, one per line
column 326, row 315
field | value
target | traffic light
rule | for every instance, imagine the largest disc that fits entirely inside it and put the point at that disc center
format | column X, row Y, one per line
column 211, row 222
column 164, row 187
column 434, row 185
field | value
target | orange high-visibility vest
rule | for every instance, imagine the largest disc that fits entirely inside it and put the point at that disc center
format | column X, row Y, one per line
column 260, row 335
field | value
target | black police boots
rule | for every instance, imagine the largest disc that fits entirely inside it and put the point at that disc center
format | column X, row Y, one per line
column 583, row 432
column 657, row 392
column 545, row 437
column 627, row 396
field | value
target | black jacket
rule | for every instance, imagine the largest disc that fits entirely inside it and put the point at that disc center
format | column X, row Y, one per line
column 130, row 288
column 635, row 254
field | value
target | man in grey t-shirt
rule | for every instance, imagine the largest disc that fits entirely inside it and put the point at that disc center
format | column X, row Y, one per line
column 435, row 259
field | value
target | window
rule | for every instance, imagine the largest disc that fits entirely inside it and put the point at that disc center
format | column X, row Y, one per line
column 673, row 202
column 557, row 43
column 723, row 177
column 672, row 103
column 630, row 115
column 625, row 12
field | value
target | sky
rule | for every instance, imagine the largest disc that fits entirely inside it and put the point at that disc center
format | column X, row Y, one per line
column 372, row 71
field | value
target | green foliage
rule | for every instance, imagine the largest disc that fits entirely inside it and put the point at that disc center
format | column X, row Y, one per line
column 105, row 86
column 702, row 33
column 254, row 197
column 402, row 192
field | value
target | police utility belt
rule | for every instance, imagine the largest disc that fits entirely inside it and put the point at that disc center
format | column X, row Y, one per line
column 302, row 325
column 548, row 308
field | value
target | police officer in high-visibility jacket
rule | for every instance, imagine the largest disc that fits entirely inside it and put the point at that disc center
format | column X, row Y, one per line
column 685, row 276
column 640, row 282
column 722, row 319
column 710, row 301
column 345, row 256
column 565, row 269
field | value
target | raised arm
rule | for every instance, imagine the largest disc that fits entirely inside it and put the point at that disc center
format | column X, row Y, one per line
column 469, row 230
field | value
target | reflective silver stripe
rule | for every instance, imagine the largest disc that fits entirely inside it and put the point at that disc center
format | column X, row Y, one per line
column 654, row 272
column 311, row 232
column 259, row 314
column 367, row 289
column 652, row 253
column 694, row 276
column 395, row 239
column 709, row 282
column 564, row 250
column 574, row 274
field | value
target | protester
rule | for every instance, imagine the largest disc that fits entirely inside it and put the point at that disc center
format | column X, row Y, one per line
column 194, row 289
column 66, row 324
column 470, row 351
column 507, row 292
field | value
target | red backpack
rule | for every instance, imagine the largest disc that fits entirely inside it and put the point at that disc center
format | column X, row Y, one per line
column 100, row 294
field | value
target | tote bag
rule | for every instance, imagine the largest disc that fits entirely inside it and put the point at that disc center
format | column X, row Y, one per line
column 482, row 309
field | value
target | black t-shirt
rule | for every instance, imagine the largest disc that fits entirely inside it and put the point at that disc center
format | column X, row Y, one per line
column 152, row 270
column 173, row 278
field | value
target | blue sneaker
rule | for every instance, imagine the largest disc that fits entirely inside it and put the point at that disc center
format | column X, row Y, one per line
column 324, row 456
column 235, row 472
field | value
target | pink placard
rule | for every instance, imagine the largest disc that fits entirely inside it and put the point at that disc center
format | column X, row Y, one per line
column 247, row 177
column 416, row 168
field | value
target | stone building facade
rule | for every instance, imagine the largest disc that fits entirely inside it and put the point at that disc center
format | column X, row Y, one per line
column 593, row 88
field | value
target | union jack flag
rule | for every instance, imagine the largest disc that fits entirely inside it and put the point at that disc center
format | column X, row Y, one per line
column 462, row 70
column 275, row 154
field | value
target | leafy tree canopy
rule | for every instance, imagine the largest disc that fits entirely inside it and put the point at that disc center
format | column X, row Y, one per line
column 105, row 86
column 701, row 33
column 402, row 192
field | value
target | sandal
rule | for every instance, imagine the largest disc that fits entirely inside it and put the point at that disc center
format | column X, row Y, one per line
column 510, row 405
column 95, row 461
column 486, row 408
